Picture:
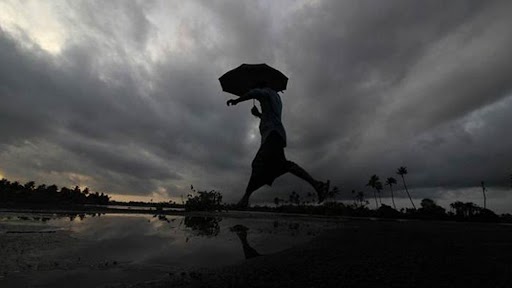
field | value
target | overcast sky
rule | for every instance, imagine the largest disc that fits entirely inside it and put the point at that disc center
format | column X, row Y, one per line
column 123, row 96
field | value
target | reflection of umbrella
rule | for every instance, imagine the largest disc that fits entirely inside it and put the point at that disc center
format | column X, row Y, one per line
column 241, row 79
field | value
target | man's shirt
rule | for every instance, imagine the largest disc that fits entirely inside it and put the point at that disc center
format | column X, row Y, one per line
column 271, row 109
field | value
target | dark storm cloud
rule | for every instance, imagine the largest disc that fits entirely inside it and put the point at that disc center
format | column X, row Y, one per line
column 465, row 152
column 350, row 58
column 373, row 86
column 246, row 28
column 67, row 104
column 18, row 118
column 113, row 126
column 125, row 20
column 375, row 78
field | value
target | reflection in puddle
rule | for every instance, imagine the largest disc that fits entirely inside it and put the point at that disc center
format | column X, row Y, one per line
column 119, row 248
column 241, row 232
column 203, row 226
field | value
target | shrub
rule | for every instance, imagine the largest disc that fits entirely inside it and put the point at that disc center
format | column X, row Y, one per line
column 204, row 201
column 386, row 211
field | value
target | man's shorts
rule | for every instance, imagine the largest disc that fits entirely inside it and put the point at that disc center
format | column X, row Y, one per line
column 270, row 161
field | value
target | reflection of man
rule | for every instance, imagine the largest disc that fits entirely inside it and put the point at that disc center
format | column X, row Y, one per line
column 241, row 232
column 270, row 161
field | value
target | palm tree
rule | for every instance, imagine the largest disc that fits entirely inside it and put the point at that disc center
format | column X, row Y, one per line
column 390, row 182
column 378, row 187
column 485, row 197
column 360, row 199
column 375, row 183
column 402, row 171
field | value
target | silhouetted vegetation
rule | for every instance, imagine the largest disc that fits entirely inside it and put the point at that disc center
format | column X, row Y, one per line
column 28, row 195
column 386, row 211
column 485, row 196
column 14, row 194
column 471, row 211
column 403, row 171
column 390, row 182
column 429, row 211
column 375, row 183
column 204, row 201
column 359, row 200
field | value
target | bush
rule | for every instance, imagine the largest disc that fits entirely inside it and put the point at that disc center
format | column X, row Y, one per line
column 204, row 201
column 430, row 210
column 487, row 215
column 386, row 211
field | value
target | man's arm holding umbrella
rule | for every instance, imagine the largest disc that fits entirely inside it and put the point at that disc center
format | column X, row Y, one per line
column 252, row 94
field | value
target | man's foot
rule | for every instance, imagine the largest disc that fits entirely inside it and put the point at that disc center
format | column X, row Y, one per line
column 321, row 190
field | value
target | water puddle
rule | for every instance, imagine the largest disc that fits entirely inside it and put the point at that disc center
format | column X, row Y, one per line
column 49, row 250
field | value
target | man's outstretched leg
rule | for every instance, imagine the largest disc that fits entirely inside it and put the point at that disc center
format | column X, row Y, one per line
column 321, row 188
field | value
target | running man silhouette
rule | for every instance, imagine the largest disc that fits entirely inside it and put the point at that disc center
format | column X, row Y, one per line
column 270, row 161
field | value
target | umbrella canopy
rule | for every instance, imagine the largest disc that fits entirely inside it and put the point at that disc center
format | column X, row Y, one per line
column 243, row 78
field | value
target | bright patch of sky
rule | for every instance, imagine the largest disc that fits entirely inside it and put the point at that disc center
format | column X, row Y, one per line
column 40, row 21
column 174, row 24
column 476, row 121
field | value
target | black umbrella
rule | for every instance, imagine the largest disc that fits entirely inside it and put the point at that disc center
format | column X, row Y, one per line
column 243, row 78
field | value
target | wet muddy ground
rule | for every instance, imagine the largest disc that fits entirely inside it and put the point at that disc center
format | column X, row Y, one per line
column 94, row 250
column 249, row 250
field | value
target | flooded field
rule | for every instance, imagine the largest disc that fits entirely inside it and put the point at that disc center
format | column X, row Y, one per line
column 91, row 250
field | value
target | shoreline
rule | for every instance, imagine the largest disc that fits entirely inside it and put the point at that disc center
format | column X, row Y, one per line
column 234, row 214
column 89, row 210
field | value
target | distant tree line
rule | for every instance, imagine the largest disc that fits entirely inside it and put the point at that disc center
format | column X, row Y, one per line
column 16, row 194
column 459, row 211
column 429, row 210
